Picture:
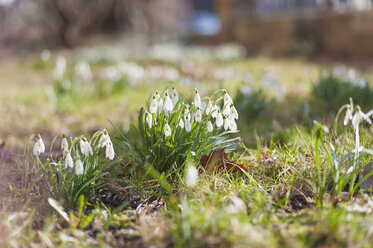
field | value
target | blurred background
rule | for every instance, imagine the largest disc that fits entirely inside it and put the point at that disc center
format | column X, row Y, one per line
column 69, row 66
column 341, row 29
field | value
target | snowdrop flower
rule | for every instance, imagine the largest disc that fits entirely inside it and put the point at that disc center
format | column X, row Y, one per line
column 214, row 111
column 219, row 119
column 153, row 106
column 60, row 68
column 226, row 124
column 197, row 99
column 227, row 99
column 167, row 106
column 85, row 147
column 64, row 145
column 39, row 147
column 358, row 117
column 188, row 124
column 167, row 130
column 69, row 161
column 198, row 115
column 174, row 96
column 348, row 116
column 226, row 110
column 233, row 112
column 191, row 175
column 79, row 169
column 149, row 119
column 208, row 108
column 232, row 124
column 159, row 102
column 104, row 139
column 45, row 55
column 181, row 123
column 209, row 126
column 109, row 151
column 83, row 71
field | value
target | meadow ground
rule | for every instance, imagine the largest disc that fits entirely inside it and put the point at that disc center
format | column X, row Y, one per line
column 287, row 183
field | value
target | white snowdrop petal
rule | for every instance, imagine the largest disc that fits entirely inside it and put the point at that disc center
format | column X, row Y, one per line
column 209, row 126
column 167, row 130
column 64, row 145
column 79, row 169
column 191, row 175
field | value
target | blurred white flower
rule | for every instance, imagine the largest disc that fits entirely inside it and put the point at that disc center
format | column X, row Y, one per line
column 226, row 110
column 214, row 111
column 236, row 205
column 64, row 145
column 208, row 108
column 233, row 112
column 79, row 169
column 197, row 99
column 348, row 116
column 39, row 147
column 85, row 148
column 104, row 139
column 69, row 161
column 109, row 151
column 181, row 123
column 188, row 124
column 167, row 106
column 209, row 126
column 167, row 130
column 159, row 103
column 149, row 119
column 153, row 106
column 226, row 124
column 219, row 119
column 60, row 68
column 358, row 117
column 174, row 96
column 198, row 115
column 191, row 175
column 45, row 55
column 227, row 99
column 83, row 71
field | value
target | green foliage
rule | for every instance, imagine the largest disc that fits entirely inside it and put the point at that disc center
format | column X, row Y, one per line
column 331, row 92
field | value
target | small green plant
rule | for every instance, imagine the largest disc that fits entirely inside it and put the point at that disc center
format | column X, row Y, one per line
column 77, row 172
column 332, row 91
column 172, row 131
column 251, row 102
column 342, row 173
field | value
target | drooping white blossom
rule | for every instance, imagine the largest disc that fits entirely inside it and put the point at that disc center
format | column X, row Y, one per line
column 39, row 147
column 188, row 124
column 227, row 99
column 167, row 106
column 69, row 161
column 191, row 175
column 85, row 148
column 149, row 119
column 64, row 145
column 358, row 117
column 167, row 130
column 174, row 96
column 214, row 111
column 209, row 126
column 104, row 139
column 109, row 151
column 60, row 68
column 181, row 123
column 83, row 71
column 219, row 119
column 226, row 110
column 226, row 124
column 79, row 169
column 208, row 108
column 153, row 106
column 198, row 115
column 197, row 99
column 233, row 112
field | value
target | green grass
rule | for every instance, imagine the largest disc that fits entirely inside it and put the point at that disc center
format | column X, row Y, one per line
column 273, row 204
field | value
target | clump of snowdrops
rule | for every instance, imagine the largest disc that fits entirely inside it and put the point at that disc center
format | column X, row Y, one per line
column 174, row 131
column 345, row 168
column 75, row 172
